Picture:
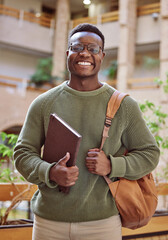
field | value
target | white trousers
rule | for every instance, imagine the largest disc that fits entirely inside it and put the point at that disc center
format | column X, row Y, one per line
column 106, row 229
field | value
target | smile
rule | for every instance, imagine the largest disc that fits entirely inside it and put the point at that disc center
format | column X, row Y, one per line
column 84, row 63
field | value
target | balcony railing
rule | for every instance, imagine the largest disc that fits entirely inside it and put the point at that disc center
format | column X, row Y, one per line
column 48, row 21
column 148, row 9
column 135, row 83
column 142, row 83
column 22, row 84
column 43, row 20
column 114, row 16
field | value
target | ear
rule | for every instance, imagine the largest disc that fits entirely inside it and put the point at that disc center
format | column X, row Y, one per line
column 103, row 55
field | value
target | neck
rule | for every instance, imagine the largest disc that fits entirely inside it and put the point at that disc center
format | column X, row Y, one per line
column 84, row 84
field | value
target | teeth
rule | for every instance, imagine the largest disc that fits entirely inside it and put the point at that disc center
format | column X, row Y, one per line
column 84, row 63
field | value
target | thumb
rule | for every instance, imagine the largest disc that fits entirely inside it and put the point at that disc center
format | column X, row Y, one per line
column 64, row 160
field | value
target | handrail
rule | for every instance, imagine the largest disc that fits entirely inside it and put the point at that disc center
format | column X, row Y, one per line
column 148, row 9
column 45, row 21
column 133, row 83
column 136, row 83
column 103, row 18
column 114, row 16
column 15, row 82
column 141, row 83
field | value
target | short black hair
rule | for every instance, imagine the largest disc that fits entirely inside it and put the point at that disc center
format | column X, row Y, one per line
column 86, row 27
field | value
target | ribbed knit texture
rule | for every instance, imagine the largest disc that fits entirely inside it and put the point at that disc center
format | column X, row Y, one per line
column 89, row 199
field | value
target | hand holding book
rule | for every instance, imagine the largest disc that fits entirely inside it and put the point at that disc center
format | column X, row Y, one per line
column 63, row 175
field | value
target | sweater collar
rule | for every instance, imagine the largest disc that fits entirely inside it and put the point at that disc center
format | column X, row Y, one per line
column 100, row 90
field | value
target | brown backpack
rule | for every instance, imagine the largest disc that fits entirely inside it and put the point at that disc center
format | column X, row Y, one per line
column 136, row 200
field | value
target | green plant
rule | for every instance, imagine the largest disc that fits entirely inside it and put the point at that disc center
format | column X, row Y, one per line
column 157, row 121
column 150, row 62
column 111, row 71
column 8, row 173
column 43, row 72
column 163, row 84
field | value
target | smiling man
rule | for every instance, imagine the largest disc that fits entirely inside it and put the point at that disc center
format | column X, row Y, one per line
column 85, row 56
column 89, row 210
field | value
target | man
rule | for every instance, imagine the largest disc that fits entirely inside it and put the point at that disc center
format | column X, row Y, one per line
column 88, row 211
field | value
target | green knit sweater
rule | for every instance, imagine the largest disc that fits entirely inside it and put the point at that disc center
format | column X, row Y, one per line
column 89, row 199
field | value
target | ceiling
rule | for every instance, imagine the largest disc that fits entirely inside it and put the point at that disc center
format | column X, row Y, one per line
column 75, row 5
column 78, row 6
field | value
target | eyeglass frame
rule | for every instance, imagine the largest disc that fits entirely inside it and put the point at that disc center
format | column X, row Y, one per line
column 86, row 45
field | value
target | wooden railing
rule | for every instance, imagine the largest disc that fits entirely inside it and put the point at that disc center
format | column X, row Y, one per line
column 141, row 83
column 156, row 229
column 148, row 9
column 48, row 21
column 16, row 82
column 106, row 17
column 134, row 83
column 43, row 20
column 114, row 16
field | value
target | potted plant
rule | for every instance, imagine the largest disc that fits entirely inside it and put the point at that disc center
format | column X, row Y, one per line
column 13, row 188
column 111, row 72
column 43, row 73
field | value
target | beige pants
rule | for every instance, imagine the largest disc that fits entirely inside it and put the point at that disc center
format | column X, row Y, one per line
column 106, row 229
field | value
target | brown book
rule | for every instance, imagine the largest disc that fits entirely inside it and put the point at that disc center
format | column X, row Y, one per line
column 61, row 138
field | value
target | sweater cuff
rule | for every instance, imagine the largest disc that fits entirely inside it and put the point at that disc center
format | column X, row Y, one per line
column 44, row 170
column 118, row 168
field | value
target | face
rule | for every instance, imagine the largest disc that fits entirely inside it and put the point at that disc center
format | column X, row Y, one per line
column 85, row 63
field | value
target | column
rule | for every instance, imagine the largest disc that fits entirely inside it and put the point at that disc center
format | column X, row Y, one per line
column 164, row 44
column 60, row 38
column 126, row 51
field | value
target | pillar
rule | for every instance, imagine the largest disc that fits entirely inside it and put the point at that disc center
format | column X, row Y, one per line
column 60, row 38
column 126, row 50
column 164, row 44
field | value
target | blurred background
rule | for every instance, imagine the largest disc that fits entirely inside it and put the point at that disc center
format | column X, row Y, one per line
column 33, row 44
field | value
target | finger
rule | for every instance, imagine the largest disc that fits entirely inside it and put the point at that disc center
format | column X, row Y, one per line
column 73, row 175
column 91, row 160
column 71, row 179
column 65, row 159
column 90, row 163
column 71, row 184
column 73, row 170
column 94, row 150
column 92, row 154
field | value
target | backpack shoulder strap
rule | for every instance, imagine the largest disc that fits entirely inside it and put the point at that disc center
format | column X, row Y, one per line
column 112, row 108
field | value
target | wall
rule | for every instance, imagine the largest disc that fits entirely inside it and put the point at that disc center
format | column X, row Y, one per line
column 148, row 30
column 25, row 35
column 17, row 64
column 144, row 71
column 14, row 106
column 24, row 5
column 111, row 33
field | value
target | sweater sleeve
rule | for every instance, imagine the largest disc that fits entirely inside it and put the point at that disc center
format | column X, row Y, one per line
column 143, row 153
column 27, row 152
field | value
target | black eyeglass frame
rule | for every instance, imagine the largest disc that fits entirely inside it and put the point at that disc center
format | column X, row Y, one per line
column 85, row 45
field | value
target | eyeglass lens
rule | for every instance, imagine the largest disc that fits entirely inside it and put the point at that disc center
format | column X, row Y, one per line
column 92, row 48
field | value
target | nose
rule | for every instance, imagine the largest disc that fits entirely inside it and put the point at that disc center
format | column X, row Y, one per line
column 85, row 52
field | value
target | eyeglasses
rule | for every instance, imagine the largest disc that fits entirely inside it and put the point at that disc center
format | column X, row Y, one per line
column 92, row 48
